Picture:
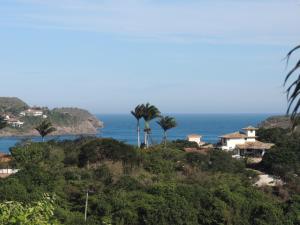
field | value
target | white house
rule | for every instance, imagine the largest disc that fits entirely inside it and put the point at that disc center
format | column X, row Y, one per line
column 244, row 143
column 15, row 122
column 195, row 138
column 32, row 112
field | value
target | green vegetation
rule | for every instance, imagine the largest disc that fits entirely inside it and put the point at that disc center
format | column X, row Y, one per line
column 12, row 105
column 166, row 123
column 150, row 112
column 130, row 186
column 38, row 213
column 283, row 159
column 45, row 128
column 293, row 90
column 138, row 114
column 3, row 123
column 68, row 120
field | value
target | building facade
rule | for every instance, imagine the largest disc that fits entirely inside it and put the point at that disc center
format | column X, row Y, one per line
column 244, row 143
column 195, row 138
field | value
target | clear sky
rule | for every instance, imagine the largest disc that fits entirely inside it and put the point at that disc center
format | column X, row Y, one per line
column 185, row 56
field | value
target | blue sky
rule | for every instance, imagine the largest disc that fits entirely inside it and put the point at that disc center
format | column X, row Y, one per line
column 183, row 56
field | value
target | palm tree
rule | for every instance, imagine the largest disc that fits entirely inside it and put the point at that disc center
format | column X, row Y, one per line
column 3, row 122
column 45, row 128
column 150, row 113
column 138, row 113
column 293, row 90
column 166, row 123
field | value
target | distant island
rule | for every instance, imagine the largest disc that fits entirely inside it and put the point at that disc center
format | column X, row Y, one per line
column 22, row 119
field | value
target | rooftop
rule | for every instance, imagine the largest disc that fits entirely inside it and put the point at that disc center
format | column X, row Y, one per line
column 250, row 128
column 194, row 136
column 255, row 145
column 235, row 135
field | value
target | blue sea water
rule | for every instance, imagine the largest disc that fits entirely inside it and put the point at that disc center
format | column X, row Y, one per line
column 123, row 127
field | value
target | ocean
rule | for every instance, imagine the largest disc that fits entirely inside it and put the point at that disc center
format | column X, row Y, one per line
column 123, row 127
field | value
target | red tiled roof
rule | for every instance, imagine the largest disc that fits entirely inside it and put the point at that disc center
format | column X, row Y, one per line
column 194, row 136
column 255, row 145
column 250, row 128
column 235, row 135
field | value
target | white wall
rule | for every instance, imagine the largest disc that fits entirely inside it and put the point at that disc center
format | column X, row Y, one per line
column 195, row 139
column 251, row 139
column 231, row 143
column 251, row 133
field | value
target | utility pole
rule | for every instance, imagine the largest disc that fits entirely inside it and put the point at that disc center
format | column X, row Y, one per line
column 86, row 204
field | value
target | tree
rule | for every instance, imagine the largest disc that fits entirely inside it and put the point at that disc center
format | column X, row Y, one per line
column 45, row 128
column 293, row 90
column 37, row 213
column 166, row 123
column 150, row 113
column 3, row 122
column 138, row 114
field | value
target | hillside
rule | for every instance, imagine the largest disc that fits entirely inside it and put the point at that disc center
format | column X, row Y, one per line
column 12, row 105
column 283, row 122
column 22, row 119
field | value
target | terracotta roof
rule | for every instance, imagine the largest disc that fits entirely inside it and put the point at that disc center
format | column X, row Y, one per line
column 194, row 136
column 250, row 128
column 5, row 157
column 235, row 135
column 255, row 145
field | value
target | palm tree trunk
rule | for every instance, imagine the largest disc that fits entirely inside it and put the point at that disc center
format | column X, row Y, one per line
column 165, row 138
column 138, row 134
column 43, row 139
column 146, row 134
column 147, row 139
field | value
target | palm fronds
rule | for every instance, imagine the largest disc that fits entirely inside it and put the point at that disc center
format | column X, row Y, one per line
column 166, row 123
column 45, row 128
column 150, row 112
column 293, row 89
column 138, row 113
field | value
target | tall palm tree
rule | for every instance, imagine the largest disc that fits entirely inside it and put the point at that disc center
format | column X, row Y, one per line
column 150, row 113
column 45, row 128
column 293, row 90
column 3, row 122
column 138, row 113
column 166, row 123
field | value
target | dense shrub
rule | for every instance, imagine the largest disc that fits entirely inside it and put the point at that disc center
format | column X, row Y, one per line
column 128, row 186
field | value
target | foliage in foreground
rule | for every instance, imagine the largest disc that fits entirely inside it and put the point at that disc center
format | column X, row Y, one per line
column 38, row 213
column 284, row 158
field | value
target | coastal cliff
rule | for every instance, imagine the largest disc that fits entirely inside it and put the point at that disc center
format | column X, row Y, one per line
column 283, row 122
column 22, row 119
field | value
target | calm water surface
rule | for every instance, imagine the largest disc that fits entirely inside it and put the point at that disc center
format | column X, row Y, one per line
column 123, row 127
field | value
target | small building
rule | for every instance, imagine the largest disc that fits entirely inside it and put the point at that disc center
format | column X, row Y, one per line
column 244, row 143
column 5, row 158
column 5, row 170
column 13, row 121
column 32, row 112
column 195, row 138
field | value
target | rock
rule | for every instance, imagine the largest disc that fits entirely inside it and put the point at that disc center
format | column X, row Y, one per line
column 276, row 122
